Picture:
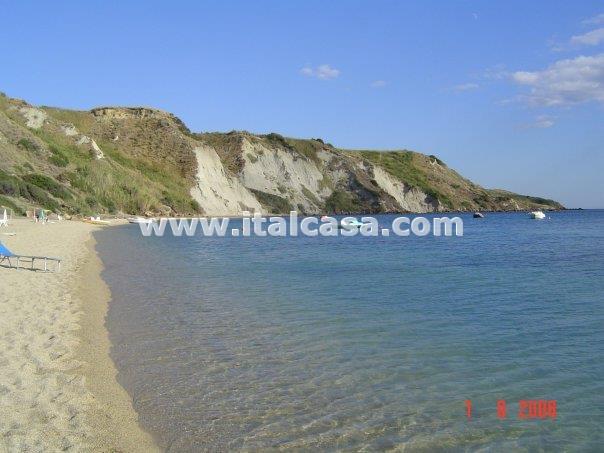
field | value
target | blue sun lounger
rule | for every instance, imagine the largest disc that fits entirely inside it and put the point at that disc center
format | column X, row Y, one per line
column 6, row 255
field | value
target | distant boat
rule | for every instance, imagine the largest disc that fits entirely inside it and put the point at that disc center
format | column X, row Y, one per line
column 478, row 215
column 139, row 220
column 539, row 215
column 351, row 224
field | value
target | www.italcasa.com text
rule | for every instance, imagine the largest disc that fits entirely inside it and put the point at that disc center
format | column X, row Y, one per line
column 258, row 225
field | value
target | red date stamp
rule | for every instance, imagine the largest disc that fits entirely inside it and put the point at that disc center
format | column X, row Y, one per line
column 527, row 409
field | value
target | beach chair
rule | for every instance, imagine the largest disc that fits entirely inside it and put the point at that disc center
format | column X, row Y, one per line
column 40, row 216
column 6, row 255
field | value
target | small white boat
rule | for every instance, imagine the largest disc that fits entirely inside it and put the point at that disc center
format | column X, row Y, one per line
column 539, row 215
column 351, row 224
column 139, row 220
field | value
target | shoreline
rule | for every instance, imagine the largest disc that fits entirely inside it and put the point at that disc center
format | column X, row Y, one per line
column 112, row 417
column 58, row 386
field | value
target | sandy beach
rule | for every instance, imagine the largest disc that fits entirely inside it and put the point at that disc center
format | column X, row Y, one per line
column 58, row 387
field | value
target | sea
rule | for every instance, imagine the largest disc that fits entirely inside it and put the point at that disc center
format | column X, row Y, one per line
column 493, row 341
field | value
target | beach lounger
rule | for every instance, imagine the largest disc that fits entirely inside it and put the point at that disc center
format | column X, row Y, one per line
column 7, row 255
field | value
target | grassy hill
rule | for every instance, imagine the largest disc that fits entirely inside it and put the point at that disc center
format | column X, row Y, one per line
column 145, row 161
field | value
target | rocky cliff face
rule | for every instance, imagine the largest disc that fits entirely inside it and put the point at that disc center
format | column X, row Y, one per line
column 274, row 174
column 141, row 160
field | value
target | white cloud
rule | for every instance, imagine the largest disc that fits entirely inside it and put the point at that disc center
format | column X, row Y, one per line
column 599, row 19
column 378, row 84
column 541, row 122
column 496, row 72
column 327, row 72
column 465, row 87
column 565, row 82
column 592, row 38
column 307, row 71
column 323, row 72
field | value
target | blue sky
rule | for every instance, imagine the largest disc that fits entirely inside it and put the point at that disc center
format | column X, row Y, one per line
column 509, row 93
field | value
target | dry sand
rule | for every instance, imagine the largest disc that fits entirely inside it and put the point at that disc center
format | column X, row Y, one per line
column 58, row 387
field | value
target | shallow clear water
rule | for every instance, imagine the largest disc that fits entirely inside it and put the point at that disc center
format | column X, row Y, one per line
column 352, row 343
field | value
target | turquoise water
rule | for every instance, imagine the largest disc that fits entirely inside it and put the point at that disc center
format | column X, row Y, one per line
column 364, row 343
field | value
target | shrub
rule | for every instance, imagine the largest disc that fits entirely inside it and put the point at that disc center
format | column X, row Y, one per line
column 10, row 185
column 275, row 203
column 444, row 200
column 15, row 187
column 7, row 203
column 58, row 158
column 195, row 206
column 27, row 144
column 307, row 148
column 110, row 205
column 278, row 139
column 340, row 202
column 440, row 162
column 91, row 201
column 48, row 184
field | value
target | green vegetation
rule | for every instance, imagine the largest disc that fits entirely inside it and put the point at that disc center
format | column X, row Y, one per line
column 61, row 147
column 277, row 139
column 402, row 165
column 165, row 184
column 482, row 199
column 466, row 205
column 307, row 148
column 13, row 186
column 8, row 203
column 434, row 158
column 538, row 200
column 149, row 166
column 341, row 202
column 523, row 201
column 58, row 158
column 273, row 203
column 228, row 148
column 311, row 196
column 399, row 164
column 27, row 144
column 118, row 183
column 48, row 184
column 81, row 120
column 106, row 189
